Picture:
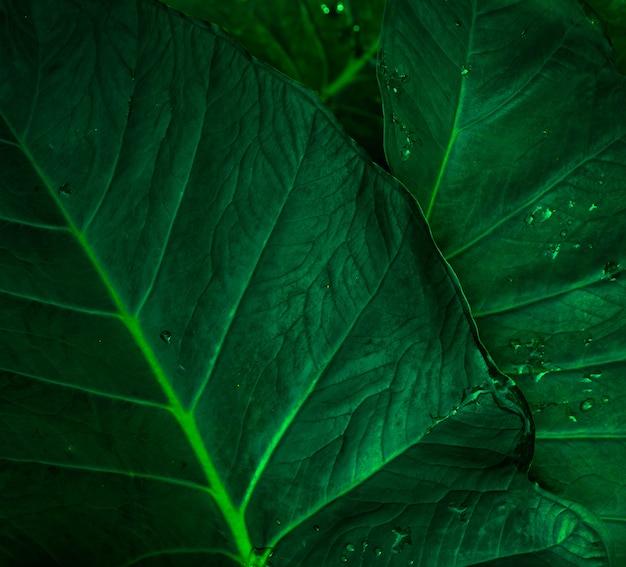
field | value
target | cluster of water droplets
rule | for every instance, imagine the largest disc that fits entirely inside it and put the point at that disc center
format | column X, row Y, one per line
column 406, row 138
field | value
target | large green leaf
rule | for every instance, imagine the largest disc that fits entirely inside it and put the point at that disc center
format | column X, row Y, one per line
column 330, row 47
column 507, row 120
column 225, row 331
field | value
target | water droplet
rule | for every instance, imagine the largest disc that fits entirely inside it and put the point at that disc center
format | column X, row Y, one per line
column 364, row 545
column 545, row 215
column 587, row 404
column 465, row 69
column 181, row 369
column 316, row 528
column 571, row 204
column 344, row 558
column 378, row 551
column 65, row 189
column 277, row 522
column 325, row 9
column 166, row 337
column 350, row 547
column 588, row 341
column 405, row 152
column 593, row 207
column 515, row 344
column 458, row 24
column 553, row 250
column 563, row 233
column 605, row 399
column 612, row 271
column 403, row 538
column 395, row 82
column 456, row 509
column 545, row 132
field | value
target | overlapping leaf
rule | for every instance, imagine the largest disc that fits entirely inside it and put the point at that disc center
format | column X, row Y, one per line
column 507, row 120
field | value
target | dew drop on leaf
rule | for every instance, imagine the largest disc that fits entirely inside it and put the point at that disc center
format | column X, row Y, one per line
column 166, row 336
column 65, row 189
column 515, row 344
column 344, row 558
column 587, row 404
column 316, row 528
column 350, row 547
column 395, row 82
column 378, row 551
column 612, row 271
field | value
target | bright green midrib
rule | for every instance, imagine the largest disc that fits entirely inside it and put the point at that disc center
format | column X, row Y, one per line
column 446, row 157
column 233, row 516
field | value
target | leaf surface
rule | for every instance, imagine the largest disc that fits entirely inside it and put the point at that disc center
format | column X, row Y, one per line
column 225, row 333
column 507, row 121
column 329, row 47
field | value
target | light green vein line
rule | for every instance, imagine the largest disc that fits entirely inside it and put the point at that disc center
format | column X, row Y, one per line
column 349, row 73
column 91, row 391
column 125, row 473
column 535, row 300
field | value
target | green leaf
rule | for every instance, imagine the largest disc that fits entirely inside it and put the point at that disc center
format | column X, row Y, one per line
column 507, row 122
